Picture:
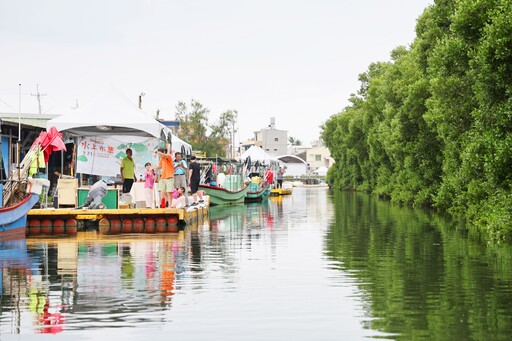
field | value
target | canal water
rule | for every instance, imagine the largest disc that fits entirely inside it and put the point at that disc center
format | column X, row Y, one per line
column 316, row 265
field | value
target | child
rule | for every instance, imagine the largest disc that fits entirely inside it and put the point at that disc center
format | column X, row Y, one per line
column 179, row 201
column 150, row 176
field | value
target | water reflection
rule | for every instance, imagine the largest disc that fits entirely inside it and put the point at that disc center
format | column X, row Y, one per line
column 420, row 278
column 311, row 266
column 83, row 282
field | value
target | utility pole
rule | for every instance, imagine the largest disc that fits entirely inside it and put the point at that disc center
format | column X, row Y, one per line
column 140, row 99
column 38, row 95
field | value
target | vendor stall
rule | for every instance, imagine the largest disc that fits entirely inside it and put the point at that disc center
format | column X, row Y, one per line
column 102, row 131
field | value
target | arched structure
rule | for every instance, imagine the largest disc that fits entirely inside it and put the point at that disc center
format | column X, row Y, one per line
column 295, row 165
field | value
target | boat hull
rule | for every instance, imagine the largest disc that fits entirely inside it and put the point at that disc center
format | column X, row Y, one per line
column 223, row 196
column 258, row 195
column 13, row 219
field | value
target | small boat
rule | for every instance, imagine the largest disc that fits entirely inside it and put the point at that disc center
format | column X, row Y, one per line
column 224, row 196
column 286, row 189
column 258, row 191
column 232, row 191
column 13, row 218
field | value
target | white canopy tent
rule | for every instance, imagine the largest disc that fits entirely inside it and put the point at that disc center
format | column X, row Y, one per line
column 111, row 114
column 106, row 127
column 321, row 171
column 257, row 154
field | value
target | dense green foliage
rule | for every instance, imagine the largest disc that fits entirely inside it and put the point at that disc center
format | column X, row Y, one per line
column 432, row 127
column 212, row 139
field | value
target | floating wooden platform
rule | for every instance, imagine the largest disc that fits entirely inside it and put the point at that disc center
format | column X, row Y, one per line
column 68, row 221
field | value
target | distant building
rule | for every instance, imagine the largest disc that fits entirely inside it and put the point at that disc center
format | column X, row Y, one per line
column 318, row 156
column 294, row 165
column 272, row 140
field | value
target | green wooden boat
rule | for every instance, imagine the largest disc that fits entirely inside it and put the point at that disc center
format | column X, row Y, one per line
column 257, row 192
column 224, row 196
column 232, row 191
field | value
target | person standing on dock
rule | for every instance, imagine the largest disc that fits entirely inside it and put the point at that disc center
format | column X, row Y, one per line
column 269, row 176
column 127, row 171
column 194, row 177
column 280, row 173
column 166, row 183
column 149, row 184
column 180, row 171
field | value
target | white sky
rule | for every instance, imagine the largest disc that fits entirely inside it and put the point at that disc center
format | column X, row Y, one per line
column 295, row 60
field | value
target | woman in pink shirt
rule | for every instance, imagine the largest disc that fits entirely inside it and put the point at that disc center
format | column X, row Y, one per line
column 150, row 176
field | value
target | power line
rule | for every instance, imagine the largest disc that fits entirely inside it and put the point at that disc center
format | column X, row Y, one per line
column 4, row 102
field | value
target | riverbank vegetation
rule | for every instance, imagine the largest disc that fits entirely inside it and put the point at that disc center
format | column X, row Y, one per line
column 433, row 126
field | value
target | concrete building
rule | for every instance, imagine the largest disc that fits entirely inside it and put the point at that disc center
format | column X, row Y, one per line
column 318, row 156
column 272, row 140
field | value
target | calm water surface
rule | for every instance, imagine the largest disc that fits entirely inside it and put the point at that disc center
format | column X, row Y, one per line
column 317, row 265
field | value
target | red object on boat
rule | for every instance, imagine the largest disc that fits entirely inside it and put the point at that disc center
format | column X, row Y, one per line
column 50, row 141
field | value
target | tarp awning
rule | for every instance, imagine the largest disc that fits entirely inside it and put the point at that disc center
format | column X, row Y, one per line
column 110, row 114
column 256, row 153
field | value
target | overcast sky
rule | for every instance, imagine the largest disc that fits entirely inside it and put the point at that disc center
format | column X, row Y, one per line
column 295, row 60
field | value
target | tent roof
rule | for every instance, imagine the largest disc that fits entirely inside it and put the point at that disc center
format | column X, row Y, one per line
column 321, row 170
column 256, row 154
column 178, row 145
column 110, row 114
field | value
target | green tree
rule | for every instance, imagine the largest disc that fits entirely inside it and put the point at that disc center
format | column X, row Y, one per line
column 222, row 133
column 294, row 141
column 432, row 126
column 195, row 129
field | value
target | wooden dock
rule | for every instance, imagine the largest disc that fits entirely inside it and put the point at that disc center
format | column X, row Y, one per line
column 68, row 221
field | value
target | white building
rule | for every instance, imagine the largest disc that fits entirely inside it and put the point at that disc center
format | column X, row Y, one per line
column 270, row 139
column 318, row 156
